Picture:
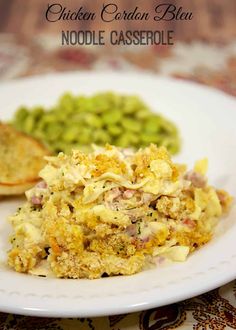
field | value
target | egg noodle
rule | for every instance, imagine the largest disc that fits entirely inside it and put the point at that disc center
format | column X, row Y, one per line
column 113, row 212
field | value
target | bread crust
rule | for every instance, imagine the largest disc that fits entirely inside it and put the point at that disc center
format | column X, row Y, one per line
column 21, row 159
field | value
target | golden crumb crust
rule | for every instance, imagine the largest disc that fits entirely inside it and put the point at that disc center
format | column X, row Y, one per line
column 21, row 159
column 113, row 212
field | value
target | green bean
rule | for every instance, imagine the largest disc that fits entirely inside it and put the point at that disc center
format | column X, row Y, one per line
column 150, row 138
column 67, row 103
column 142, row 114
column 131, row 104
column 131, row 125
column 127, row 139
column 79, row 121
column 114, row 130
column 93, row 120
column 101, row 136
column 21, row 114
column 151, row 126
column 37, row 113
column 112, row 117
column 28, row 124
column 54, row 131
column 71, row 134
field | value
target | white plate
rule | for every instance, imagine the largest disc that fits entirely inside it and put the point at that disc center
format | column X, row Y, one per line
column 206, row 119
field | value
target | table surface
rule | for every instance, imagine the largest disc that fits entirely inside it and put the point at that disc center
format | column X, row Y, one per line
column 209, row 58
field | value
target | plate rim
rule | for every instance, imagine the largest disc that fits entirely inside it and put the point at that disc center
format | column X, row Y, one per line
column 100, row 311
column 111, row 310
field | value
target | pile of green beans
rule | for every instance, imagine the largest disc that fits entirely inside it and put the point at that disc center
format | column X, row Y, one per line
column 79, row 121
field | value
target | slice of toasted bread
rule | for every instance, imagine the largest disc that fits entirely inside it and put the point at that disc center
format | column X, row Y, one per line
column 21, row 159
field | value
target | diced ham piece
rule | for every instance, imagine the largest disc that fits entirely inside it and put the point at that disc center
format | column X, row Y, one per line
column 36, row 200
column 131, row 230
column 189, row 223
column 145, row 239
column 128, row 193
column 160, row 260
column 198, row 180
column 222, row 197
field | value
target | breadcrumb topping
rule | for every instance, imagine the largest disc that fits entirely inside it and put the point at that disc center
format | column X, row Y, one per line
column 112, row 212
